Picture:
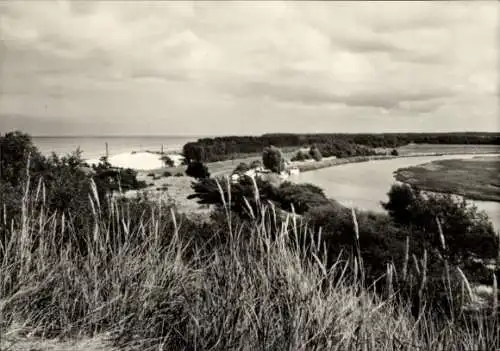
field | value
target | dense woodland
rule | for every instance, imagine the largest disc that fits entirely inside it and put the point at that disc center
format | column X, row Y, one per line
column 339, row 145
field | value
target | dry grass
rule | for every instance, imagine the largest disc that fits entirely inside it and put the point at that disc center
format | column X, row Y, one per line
column 262, row 288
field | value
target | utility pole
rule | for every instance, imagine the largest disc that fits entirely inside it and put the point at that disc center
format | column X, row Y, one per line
column 107, row 151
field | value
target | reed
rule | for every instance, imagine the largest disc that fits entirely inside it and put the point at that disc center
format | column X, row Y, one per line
column 153, row 285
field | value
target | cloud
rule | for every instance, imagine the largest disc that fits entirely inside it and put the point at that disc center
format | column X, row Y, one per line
column 311, row 96
column 103, row 61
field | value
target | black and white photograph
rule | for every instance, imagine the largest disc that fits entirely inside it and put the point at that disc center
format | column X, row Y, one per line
column 249, row 175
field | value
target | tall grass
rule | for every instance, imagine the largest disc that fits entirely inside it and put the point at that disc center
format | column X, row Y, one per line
column 153, row 285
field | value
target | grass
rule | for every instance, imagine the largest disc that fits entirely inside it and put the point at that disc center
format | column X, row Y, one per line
column 155, row 285
column 476, row 178
column 448, row 149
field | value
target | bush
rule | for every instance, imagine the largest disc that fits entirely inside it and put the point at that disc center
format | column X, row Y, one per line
column 301, row 156
column 256, row 164
column 302, row 197
column 197, row 170
column 167, row 174
column 380, row 241
column 63, row 184
column 241, row 168
column 315, row 153
column 465, row 230
column 167, row 161
column 179, row 174
column 394, row 152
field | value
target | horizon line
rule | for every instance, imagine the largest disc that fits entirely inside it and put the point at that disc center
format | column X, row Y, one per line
column 243, row 135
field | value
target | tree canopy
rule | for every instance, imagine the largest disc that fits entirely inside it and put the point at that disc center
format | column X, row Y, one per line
column 273, row 159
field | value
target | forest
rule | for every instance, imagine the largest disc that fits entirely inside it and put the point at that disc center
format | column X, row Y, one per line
column 330, row 144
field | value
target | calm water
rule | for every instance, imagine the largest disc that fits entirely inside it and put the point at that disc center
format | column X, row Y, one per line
column 94, row 147
column 364, row 185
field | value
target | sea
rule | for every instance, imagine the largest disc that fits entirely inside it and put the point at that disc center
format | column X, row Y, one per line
column 94, row 147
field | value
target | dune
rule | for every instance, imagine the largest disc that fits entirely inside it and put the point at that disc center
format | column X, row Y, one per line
column 138, row 160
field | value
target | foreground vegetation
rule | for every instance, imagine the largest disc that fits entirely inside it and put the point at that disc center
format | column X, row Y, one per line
column 476, row 178
column 273, row 268
column 163, row 282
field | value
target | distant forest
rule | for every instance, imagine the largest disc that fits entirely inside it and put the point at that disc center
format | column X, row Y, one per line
column 340, row 145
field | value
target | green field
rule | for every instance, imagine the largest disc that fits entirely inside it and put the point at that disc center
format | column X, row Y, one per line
column 477, row 178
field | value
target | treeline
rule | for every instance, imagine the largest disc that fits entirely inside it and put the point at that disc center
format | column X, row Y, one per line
column 390, row 140
column 340, row 145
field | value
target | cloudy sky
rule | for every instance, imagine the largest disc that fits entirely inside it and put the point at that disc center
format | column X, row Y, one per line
column 211, row 68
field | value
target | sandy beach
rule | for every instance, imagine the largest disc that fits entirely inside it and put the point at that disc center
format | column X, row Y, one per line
column 140, row 161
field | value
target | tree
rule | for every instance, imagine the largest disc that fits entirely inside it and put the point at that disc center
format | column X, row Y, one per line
column 167, row 161
column 16, row 148
column 301, row 156
column 467, row 232
column 197, row 170
column 315, row 153
column 401, row 200
column 273, row 159
column 207, row 192
column 302, row 197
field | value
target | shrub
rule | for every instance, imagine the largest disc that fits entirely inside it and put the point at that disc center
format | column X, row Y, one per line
column 167, row 174
column 315, row 153
column 197, row 170
column 179, row 174
column 465, row 231
column 256, row 164
column 241, row 168
column 63, row 183
column 301, row 156
column 167, row 161
column 394, row 152
column 302, row 197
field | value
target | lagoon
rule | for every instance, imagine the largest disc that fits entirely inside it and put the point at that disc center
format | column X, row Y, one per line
column 364, row 185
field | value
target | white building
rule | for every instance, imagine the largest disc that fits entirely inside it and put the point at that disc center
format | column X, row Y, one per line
column 235, row 177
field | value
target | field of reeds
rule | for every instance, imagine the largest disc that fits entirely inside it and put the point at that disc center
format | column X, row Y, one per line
column 475, row 178
column 148, row 279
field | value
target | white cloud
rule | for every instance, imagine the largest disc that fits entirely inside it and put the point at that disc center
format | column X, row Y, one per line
column 210, row 67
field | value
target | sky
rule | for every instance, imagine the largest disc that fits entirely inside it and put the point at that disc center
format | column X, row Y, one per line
column 232, row 68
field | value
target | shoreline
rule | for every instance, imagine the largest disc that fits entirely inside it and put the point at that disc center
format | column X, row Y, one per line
column 177, row 187
column 139, row 160
column 412, row 176
column 312, row 166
